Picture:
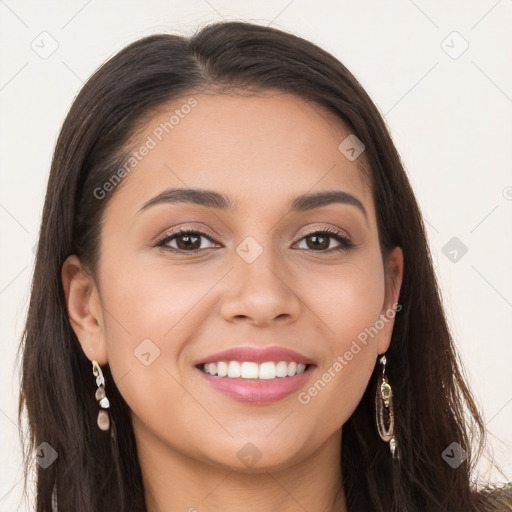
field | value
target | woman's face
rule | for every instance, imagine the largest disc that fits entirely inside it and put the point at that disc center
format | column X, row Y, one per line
column 262, row 274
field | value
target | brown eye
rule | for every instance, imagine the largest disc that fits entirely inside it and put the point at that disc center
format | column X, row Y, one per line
column 320, row 241
column 186, row 241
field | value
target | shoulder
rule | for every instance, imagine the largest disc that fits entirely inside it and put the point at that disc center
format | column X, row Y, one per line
column 497, row 498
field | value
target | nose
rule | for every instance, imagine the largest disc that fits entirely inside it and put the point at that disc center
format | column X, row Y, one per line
column 260, row 292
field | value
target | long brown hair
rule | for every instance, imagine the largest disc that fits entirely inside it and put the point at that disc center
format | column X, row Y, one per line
column 433, row 406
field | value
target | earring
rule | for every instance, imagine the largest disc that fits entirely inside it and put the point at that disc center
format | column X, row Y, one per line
column 384, row 407
column 101, row 397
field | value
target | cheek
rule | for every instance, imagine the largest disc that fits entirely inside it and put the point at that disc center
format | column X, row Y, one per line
column 349, row 300
column 152, row 311
column 151, row 299
column 349, row 303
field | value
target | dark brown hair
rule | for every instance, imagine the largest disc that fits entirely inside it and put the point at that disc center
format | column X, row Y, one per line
column 433, row 406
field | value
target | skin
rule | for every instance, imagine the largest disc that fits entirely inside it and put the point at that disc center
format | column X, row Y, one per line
column 272, row 147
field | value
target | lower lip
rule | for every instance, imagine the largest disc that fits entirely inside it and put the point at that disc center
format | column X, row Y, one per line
column 258, row 391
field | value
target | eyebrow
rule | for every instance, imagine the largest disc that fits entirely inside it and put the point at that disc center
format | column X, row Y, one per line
column 212, row 199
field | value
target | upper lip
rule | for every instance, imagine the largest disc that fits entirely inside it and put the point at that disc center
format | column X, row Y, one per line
column 256, row 355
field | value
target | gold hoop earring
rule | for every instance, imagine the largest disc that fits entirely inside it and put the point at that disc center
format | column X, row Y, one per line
column 384, row 411
column 101, row 397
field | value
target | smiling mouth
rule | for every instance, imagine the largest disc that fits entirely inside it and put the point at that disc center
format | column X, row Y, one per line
column 249, row 370
column 256, row 384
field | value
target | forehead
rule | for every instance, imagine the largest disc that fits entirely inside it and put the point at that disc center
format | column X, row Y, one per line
column 268, row 148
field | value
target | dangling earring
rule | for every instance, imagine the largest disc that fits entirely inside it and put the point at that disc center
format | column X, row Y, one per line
column 384, row 406
column 101, row 397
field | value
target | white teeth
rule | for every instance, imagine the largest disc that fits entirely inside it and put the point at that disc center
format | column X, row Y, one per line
column 233, row 369
column 267, row 371
column 282, row 369
column 250, row 370
column 222, row 369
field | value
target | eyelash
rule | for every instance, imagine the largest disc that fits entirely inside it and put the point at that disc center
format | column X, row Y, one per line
column 345, row 243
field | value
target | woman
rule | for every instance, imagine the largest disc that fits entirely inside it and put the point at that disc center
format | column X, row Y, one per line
column 234, row 305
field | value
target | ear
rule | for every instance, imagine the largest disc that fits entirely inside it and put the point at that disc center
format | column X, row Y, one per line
column 394, row 269
column 84, row 309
